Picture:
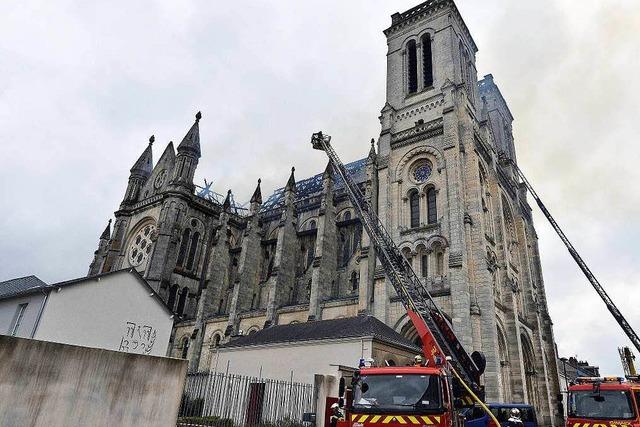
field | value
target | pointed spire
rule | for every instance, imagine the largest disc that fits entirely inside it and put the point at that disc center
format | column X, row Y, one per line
column 191, row 141
column 144, row 164
column 328, row 171
column 257, row 194
column 106, row 234
column 291, row 183
column 372, row 151
column 226, row 206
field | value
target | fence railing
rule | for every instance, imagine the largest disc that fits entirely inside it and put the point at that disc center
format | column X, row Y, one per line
column 244, row 400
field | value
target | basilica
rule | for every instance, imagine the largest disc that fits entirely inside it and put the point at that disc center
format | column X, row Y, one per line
column 440, row 176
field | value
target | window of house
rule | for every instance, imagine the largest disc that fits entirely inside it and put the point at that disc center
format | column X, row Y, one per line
column 432, row 211
column 440, row 263
column 347, row 216
column 312, row 225
column 18, row 318
column 183, row 246
column 354, row 281
column 141, row 245
column 192, row 250
column 414, row 208
column 424, row 265
column 173, row 293
column 185, row 347
column 182, row 301
column 412, row 67
column 427, row 61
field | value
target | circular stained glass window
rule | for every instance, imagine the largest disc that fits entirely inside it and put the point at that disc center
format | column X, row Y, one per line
column 160, row 179
column 140, row 246
column 422, row 172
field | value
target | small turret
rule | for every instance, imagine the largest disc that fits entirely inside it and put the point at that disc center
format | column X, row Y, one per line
column 290, row 188
column 226, row 206
column 187, row 158
column 372, row 152
column 139, row 173
column 106, row 234
column 256, row 199
column 100, row 253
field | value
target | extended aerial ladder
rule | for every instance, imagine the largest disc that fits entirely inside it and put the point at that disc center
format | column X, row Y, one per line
column 440, row 344
column 578, row 259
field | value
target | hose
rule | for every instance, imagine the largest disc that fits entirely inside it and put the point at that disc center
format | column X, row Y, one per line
column 476, row 398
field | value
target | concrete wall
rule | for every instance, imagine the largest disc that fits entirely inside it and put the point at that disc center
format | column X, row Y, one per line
column 114, row 313
column 304, row 359
column 9, row 310
column 50, row 384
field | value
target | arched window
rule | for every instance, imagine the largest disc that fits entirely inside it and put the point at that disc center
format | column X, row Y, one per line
column 192, row 250
column 185, row 347
column 414, row 209
column 182, row 301
column 424, row 265
column 173, row 293
column 505, row 373
column 529, row 371
column 427, row 61
column 412, row 67
column 312, row 225
column 233, row 273
column 440, row 263
column 347, row 216
column 220, row 306
column 311, row 253
column 354, row 281
column 216, row 340
column 183, row 246
column 432, row 209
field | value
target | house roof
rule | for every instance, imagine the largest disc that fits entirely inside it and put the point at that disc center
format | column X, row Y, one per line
column 31, row 284
column 350, row 327
column 20, row 286
column 131, row 271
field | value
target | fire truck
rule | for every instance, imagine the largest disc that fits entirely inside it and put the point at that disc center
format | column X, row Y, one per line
column 604, row 402
column 415, row 395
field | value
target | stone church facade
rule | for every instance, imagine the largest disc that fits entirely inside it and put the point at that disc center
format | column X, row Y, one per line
column 442, row 188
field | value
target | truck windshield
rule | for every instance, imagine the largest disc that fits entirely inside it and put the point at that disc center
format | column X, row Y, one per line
column 607, row 404
column 383, row 392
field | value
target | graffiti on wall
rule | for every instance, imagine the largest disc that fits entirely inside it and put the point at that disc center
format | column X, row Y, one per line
column 137, row 338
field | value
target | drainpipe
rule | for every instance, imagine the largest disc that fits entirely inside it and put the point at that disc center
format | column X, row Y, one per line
column 40, row 311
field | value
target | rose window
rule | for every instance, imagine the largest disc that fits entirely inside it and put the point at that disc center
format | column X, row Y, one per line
column 422, row 172
column 141, row 245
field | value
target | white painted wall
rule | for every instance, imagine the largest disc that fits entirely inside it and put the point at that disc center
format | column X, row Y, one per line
column 9, row 310
column 304, row 359
column 115, row 312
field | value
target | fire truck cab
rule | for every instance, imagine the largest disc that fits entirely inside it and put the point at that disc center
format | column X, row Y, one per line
column 401, row 396
column 604, row 402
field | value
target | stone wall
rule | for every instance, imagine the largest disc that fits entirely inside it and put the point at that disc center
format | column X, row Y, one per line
column 50, row 384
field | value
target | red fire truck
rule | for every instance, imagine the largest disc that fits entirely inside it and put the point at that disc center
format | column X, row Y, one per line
column 604, row 402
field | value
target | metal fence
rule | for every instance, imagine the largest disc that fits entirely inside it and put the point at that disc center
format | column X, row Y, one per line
column 245, row 400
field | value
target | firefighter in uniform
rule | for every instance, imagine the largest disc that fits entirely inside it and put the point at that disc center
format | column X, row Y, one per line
column 515, row 420
column 336, row 415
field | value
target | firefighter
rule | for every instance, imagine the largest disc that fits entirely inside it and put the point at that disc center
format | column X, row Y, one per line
column 336, row 415
column 514, row 420
column 417, row 361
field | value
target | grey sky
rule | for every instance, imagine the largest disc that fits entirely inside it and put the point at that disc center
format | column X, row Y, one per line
column 84, row 84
